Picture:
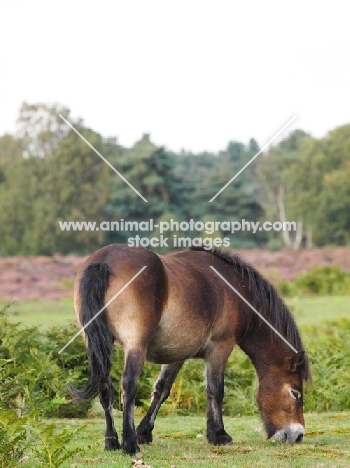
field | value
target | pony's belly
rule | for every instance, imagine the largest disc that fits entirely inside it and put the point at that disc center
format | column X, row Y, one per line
column 177, row 341
column 166, row 356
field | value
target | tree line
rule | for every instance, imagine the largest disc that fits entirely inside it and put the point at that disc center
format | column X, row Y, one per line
column 49, row 174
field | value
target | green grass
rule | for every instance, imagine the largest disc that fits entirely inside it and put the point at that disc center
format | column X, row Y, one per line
column 180, row 441
column 316, row 309
column 307, row 310
column 41, row 313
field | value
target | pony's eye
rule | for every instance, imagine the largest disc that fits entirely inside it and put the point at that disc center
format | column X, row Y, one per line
column 295, row 394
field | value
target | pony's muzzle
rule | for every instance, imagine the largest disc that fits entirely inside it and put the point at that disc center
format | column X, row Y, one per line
column 294, row 433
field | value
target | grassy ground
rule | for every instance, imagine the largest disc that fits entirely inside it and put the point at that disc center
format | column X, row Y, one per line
column 180, row 441
column 42, row 313
column 307, row 310
column 316, row 309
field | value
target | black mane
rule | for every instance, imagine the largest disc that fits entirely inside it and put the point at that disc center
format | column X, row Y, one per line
column 267, row 301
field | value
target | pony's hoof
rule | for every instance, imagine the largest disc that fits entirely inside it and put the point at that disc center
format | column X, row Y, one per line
column 224, row 439
column 144, row 437
column 111, row 443
column 130, row 448
column 221, row 439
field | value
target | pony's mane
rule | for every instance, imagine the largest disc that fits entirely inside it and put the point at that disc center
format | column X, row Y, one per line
column 267, row 301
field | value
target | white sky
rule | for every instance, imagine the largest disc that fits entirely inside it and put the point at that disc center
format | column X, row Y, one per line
column 193, row 74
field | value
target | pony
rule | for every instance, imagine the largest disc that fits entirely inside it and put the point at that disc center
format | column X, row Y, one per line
column 178, row 308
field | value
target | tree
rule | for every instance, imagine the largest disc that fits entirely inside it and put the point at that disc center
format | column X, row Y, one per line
column 62, row 179
column 150, row 169
column 41, row 128
column 273, row 174
column 76, row 184
column 320, row 194
column 239, row 200
column 335, row 206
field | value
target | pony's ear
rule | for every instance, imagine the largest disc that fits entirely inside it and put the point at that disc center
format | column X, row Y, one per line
column 297, row 361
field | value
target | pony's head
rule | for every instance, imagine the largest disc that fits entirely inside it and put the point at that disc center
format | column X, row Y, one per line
column 280, row 398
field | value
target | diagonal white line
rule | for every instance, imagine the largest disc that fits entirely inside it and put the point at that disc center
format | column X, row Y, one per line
column 103, row 158
column 100, row 311
column 253, row 308
column 253, row 158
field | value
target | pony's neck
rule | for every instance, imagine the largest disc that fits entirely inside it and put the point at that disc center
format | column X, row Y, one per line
column 263, row 353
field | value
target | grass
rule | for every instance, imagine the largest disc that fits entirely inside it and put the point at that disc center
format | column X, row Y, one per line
column 41, row 313
column 307, row 310
column 180, row 441
column 316, row 309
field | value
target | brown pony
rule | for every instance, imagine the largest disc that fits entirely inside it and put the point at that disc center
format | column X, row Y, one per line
column 179, row 308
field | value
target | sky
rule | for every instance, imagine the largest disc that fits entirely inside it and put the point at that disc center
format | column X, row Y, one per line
column 193, row 74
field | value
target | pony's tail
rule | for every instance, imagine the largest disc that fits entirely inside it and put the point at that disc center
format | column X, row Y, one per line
column 92, row 290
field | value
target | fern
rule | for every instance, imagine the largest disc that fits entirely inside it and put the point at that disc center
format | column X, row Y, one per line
column 51, row 448
column 13, row 437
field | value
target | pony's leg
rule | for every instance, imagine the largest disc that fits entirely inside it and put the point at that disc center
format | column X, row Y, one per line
column 106, row 398
column 134, row 361
column 161, row 392
column 216, row 362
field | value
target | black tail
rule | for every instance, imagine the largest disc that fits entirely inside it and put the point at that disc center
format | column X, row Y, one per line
column 92, row 289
